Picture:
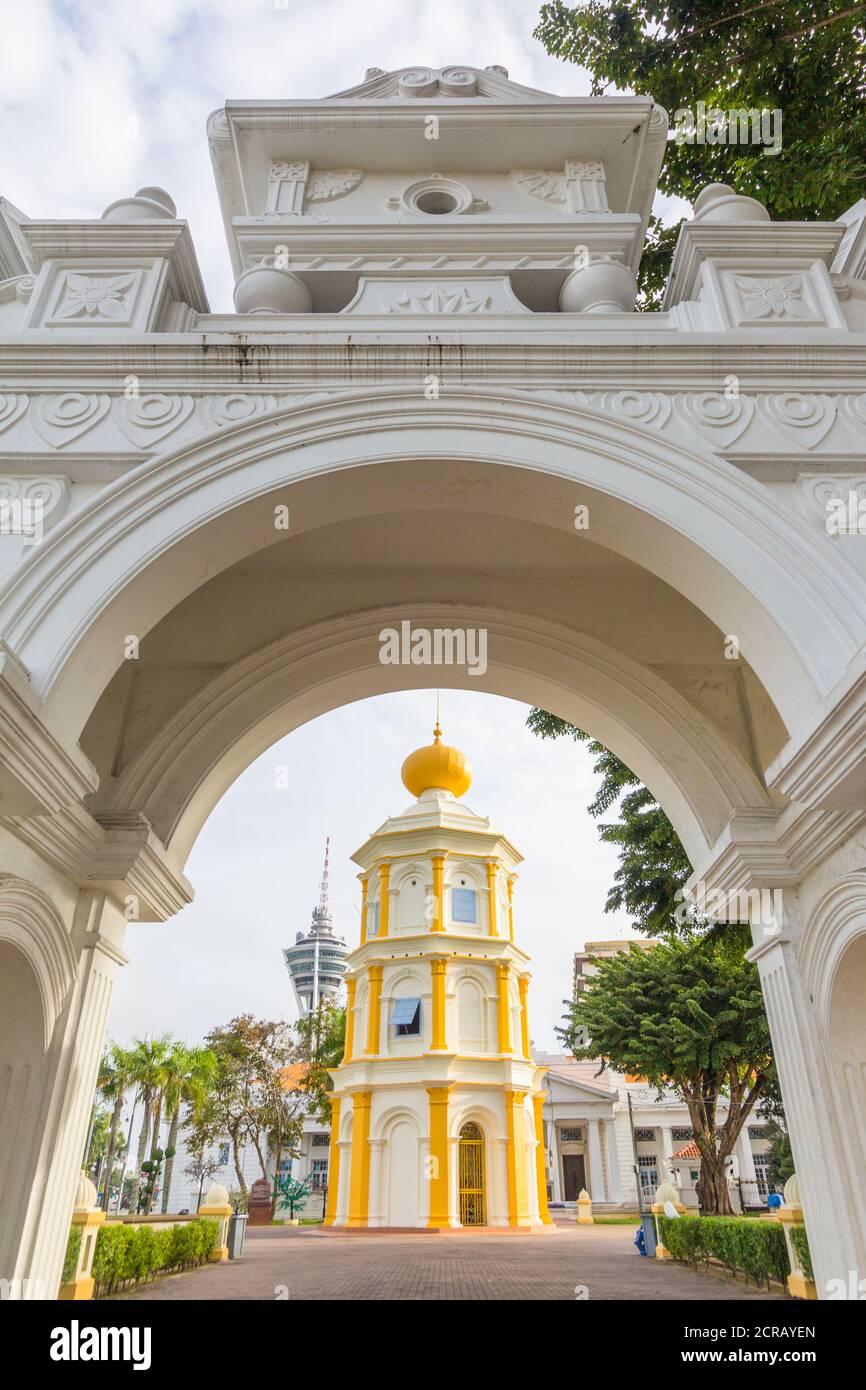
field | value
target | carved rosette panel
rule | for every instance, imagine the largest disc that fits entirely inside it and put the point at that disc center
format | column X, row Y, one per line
column 49, row 494
column 152, row 416
column 820, row 494
column 66, row 417
column 12, row 407
column 95, row 299
column 238, row 408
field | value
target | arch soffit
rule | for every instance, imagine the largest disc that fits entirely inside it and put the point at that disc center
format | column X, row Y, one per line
column 177, row 779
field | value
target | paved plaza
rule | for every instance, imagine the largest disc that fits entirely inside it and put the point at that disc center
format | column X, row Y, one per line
column 310, row 1263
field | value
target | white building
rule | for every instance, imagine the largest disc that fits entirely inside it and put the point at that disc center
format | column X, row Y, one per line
column 436, row 390
column 588, row 1140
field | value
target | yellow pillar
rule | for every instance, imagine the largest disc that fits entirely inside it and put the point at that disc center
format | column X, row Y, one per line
column 333, row 1161
column 437, row 975
column 351, row 987
column 491, row 898
column 438, row 923
column 518, row 1197
column 543, row 1210
column 511, row 880
column 439, row 1184
column 359, row 1172
column 384, row 899
column 373, row 1008
column 82, row 1284
column 523, row 986
column 363, row 909
column 503, row 1013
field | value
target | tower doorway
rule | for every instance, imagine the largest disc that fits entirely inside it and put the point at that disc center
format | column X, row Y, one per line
column 473, row 1204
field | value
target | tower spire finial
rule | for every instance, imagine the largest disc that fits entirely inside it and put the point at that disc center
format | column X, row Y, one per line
column 323, row 894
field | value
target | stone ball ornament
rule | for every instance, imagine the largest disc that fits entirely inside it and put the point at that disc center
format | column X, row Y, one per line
column 150, row 203
column 603, row 286
column 264, row 289
column 719, row 203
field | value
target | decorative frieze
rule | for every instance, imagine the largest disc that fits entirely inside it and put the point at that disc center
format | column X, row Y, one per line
column 291, row 185
column 578, row 188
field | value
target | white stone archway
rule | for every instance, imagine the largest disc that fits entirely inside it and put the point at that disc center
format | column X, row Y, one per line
column 431, row 399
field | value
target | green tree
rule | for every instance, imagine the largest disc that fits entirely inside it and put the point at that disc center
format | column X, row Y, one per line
column 147, row 1074
column 653, row 866
column 321, row 1044
column 290, row 1191
column 189, row 1078
column 781, row 1165
column 252, row 1099
column 689, row 1016
column 114, row 1080
column 806, row 58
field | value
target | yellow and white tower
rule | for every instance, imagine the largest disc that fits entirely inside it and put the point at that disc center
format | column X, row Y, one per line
column 437, row 1103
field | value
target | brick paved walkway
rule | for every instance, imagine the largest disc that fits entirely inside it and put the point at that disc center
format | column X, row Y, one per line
column 308, row 1263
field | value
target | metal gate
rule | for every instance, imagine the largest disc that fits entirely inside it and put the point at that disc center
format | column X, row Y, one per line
column 471, row 1169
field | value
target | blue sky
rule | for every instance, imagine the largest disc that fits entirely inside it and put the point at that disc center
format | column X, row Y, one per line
column 97, row 100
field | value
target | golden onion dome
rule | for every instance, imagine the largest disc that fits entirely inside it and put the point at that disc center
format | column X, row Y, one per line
column 437, row 765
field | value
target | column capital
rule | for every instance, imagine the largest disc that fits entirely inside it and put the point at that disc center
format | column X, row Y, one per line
column 439, row 1094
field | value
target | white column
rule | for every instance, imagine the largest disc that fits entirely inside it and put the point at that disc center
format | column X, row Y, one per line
column 47, row 1189
column 376, row 1215
column 666, row 1167
column 745, row 1159
column 613, row 1174
column 831, row 1200
column 595, row 1176
column 556, row 1162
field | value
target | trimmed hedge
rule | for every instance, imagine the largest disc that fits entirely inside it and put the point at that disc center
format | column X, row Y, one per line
column 70, row 1262
column 800, row 1242
column 129, row 1253
column 742, row 1244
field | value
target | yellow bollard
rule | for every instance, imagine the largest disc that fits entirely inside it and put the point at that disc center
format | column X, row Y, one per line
column 791, row 1214
column 89, row 1217
column 584, row 1209
column 218, row 1207
column 665, row 1193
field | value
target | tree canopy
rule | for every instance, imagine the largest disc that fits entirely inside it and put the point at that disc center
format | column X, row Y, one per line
column 689, row 1016
column 805, row 58
column 653, row 866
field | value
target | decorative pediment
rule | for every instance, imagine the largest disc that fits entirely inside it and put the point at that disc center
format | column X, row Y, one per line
column 432, row 83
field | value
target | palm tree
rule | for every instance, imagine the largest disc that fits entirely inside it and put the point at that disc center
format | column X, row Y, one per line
column 191, row 1073
column 113, row 1082
column 148, row 1075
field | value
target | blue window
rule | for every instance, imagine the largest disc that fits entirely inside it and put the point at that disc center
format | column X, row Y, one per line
column 406, row 1017
column 464, row 905
column 372, row 919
